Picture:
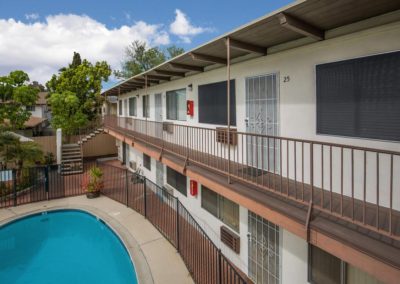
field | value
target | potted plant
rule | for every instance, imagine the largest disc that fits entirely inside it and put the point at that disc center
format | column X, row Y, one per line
column 93, row 183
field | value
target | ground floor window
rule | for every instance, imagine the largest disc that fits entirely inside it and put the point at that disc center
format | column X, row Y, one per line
column 177, row 181
column 325, row 268
column 264, row 250
column 222, row 208
column 147, row 162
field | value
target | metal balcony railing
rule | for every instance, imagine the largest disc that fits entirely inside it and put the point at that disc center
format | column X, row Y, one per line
column 353, row 183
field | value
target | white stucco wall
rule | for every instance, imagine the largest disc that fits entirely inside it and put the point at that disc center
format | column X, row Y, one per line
column 297, row 112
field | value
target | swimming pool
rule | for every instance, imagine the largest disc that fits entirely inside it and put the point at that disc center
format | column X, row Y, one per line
column 63, row 246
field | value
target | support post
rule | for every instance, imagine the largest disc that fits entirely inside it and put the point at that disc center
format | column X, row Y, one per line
column 228, row 99
column 177, row 225
column 219, row 267
column 148, row 100
column 14, row 178
column 46, row 181
column 145, row 196
column 126, row 186
column 59, row 147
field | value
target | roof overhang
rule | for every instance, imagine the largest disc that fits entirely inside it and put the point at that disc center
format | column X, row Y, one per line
column 299, row 23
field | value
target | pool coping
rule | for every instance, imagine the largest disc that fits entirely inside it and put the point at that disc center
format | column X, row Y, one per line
column 138, row 259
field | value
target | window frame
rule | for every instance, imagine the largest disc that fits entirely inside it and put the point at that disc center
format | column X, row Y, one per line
column 220, row 213
column 176, row 182
column 177, row 105
column 134, row 111
column 146, row 106
column 147, row 161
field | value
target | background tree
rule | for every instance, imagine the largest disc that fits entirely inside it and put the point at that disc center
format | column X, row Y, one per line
column 75, row 97
column 139, row 58
column 15, row 96
column 37, row 85
column 17, row 154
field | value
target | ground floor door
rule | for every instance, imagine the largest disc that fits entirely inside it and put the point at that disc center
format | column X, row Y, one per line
column 264, row 250
column 262, row 117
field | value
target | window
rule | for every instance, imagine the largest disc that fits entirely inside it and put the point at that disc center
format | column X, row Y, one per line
column 132, row 106
column 146, row 106
column 213, row 103
column 30, row 108
column 177, row 181
column 126, row 107
column 120, row 107
column 360, row 97
column 147, row 162
column 326, row 268
column 222, row 208
column 176, row 105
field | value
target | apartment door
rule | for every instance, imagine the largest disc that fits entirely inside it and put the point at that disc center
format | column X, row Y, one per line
column 264, row 250
column 158, row 114
column 262, row 117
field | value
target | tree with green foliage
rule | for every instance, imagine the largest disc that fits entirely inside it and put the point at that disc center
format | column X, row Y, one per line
column 14, row 153
column 75, row 98
column 15, row 97
column 139, row 58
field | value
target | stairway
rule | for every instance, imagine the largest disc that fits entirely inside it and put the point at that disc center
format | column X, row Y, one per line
column 72, row 159
column 72, row 156
column 90, row 135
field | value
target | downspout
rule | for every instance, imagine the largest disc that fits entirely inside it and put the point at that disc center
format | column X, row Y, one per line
column 228, row 99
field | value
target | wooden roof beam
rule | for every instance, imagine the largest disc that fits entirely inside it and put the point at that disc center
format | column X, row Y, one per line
column 248, row 47
column 207, row 58
column 186, row 67
column 143, row 80
column 170, row 73
column 301, row 27
column 161, row 78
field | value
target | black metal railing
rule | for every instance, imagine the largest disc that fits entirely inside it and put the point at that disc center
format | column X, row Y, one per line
column 204, row 260
column 201, row 256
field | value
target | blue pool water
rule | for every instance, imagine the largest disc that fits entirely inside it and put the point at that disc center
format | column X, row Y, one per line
column 63, row 246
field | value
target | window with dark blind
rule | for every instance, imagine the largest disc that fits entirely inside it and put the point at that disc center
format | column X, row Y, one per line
column 177, row 181
column 120, row 107
column 176, row 104
column 132, row 106
column 147, row 162
column 360, row 97
column 146, row 106
column 324, row 267
column 213, row 103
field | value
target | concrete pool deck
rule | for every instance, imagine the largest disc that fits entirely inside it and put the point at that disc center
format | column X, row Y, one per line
column 155, row 259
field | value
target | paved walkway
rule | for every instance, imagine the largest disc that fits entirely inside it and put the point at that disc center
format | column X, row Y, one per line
column 156, row 260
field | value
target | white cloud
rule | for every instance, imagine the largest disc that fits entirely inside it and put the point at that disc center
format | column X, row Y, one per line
column 182, row 27
column 33, row 16
column 41, row 48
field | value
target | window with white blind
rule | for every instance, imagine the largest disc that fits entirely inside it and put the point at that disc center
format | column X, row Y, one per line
column 176, row 104
column 132, row 106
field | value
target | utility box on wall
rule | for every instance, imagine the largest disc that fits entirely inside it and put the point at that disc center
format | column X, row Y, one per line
column 190, row 108
column 193, row 188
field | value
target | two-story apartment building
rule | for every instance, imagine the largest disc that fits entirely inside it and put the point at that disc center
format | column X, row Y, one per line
column 40, row 116
column 297, row 158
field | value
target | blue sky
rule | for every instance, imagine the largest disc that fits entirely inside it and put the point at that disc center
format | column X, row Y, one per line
column 52, row 30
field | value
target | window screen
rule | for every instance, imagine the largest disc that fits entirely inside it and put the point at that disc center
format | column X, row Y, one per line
column 360, row 97
column 325, row 268
column 209, row 201
column 176, row 104
column 213, row 103
column 132, row 106
column 177, row 181
column 147, row 162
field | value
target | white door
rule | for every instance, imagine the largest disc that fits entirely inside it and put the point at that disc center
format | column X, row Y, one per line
column 262, row 117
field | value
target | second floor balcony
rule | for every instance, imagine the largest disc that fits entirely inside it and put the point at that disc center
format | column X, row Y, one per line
column 356, row 184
